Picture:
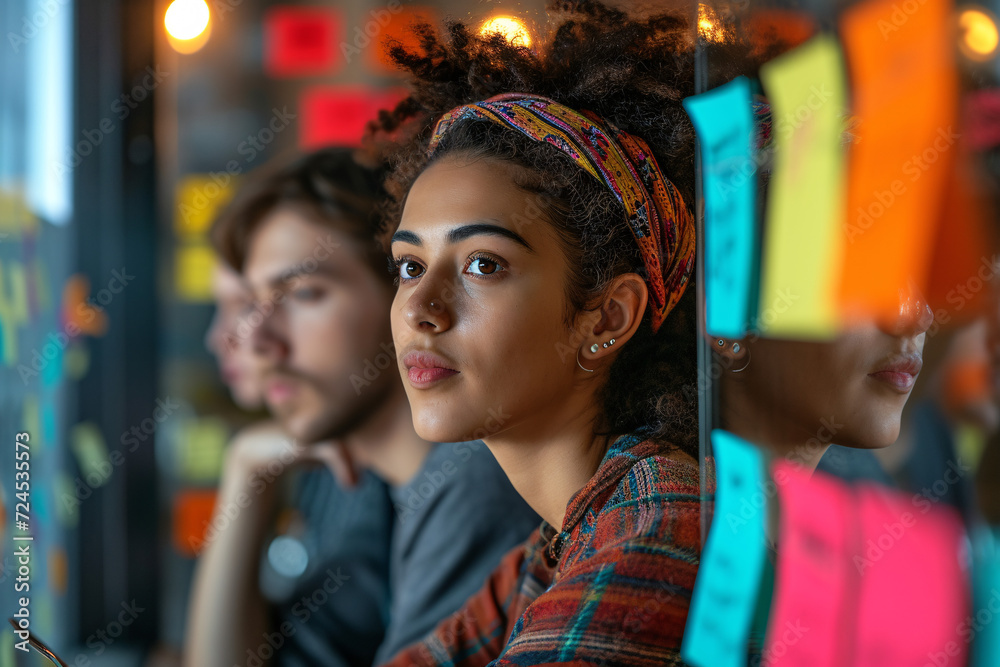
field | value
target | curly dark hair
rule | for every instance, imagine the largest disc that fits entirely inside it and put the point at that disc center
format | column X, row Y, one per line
column 328, row 185
column 632, row 72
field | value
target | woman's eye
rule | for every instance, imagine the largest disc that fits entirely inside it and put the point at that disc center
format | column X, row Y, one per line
column 306, row 294
column 482, row 266
column 408, row 269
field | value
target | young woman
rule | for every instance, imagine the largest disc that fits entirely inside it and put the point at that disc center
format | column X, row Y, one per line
column 544, row 250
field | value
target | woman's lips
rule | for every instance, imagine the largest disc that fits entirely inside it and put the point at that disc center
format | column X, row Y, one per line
column 425, row 369
column 901, row 381
column 278, row 391
column 899, row 372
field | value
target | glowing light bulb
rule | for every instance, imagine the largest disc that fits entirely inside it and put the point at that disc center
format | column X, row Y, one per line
column 979, row 34
column 513, row 30
column 187, row 23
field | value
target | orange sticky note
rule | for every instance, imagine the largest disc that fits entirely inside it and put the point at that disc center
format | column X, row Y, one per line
column 905, row 95
column 962, row 264
column 390, row 25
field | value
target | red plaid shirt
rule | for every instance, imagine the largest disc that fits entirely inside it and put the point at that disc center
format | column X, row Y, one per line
column 613, row 588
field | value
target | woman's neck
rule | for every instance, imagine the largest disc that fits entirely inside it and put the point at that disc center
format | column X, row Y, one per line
column 771, row 431
column 551, row 458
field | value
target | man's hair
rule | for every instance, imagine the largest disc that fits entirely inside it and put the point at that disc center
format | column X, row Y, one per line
column 328, row 186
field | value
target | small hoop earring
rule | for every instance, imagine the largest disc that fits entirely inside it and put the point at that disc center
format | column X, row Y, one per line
column 740, row 370
column 589, row 370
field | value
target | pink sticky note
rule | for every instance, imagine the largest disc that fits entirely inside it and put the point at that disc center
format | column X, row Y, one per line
column 865, row 578
column 914, row 593
column 811, row 573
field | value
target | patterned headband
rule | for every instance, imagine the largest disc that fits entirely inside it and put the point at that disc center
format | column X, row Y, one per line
column 656, row 214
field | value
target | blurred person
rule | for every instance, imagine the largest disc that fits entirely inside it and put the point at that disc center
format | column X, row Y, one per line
column 304, row 238
column 238, row 366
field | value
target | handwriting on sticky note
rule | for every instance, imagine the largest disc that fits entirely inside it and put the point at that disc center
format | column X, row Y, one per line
column 725, row 593
column 723, row 120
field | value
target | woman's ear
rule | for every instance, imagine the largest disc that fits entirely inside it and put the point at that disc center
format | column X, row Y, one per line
column 621, row 313
column 729, row 349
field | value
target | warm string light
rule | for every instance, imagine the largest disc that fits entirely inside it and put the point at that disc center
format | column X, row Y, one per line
column 187, row 24
column 979, row 36
column 709, row 24
column 513, row 30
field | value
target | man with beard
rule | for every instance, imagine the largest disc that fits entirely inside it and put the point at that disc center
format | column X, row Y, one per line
column 304, row 239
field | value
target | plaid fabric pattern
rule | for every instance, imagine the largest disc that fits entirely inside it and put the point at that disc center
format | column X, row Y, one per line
column 613, row 588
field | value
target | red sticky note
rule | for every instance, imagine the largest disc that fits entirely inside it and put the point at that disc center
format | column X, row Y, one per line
column 337, row 115
column 865, row 578
column 300, row 41
column 192, row 515
column 961, row 266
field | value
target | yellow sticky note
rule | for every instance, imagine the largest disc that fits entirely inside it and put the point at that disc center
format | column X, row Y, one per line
column 201, row 449
column 803, row 245
column 193, row 272
column 32, row 424
column 199, row 197
column 91, row 453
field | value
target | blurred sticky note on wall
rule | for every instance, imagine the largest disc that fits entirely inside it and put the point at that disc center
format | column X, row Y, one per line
column 963, row 263
column 202, row 444
column 725, row 593
column 87, row 445
column 337, row 115
column 192, row 516
column 394, row 24
column 198, row 199
column 801, row 257
column 723, row 120
column 301, row 41
column 193, row 265
column 905, row 101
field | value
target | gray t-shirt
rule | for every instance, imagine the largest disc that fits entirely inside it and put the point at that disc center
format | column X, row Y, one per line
column 387, row 564
column 455, row 520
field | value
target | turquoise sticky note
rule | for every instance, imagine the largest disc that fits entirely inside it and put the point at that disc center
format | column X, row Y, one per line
column 725, row 593
column 985, row 596
column 723, row 120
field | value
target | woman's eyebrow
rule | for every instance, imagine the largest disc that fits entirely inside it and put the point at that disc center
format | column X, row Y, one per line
column 406, row 237
column 466, row 231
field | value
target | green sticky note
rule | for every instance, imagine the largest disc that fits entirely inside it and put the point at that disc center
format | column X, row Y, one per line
column 91, row 453
column 202, row 449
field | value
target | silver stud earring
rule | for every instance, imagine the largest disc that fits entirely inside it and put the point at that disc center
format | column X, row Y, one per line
column 594, row 348
column 736, row 347
column 611, row 342
column 721, row 343
column 605, row 345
